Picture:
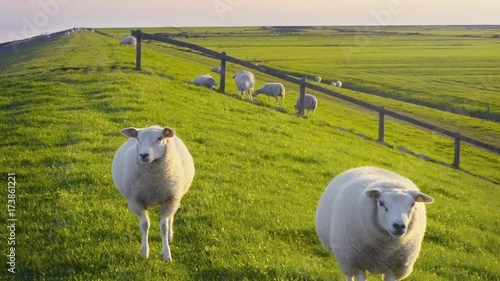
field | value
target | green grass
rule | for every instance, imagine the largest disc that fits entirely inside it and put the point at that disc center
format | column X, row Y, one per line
column 440, row 68
column 438, row 147
column 260, row 172
column 448, row 68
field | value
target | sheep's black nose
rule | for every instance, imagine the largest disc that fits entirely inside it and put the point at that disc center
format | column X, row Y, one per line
column 144, row 157
column 399, row 227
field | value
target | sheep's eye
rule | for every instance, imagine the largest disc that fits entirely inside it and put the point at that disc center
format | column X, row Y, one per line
column 411, row 208
column 159, row 139
column 381, row 204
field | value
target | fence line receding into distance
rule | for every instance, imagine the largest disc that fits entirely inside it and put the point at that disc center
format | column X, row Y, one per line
column 223, row 57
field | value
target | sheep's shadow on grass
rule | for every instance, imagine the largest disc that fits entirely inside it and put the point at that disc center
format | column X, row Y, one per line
column 231, row 273
column 258, row 103
column 167, row 76
column 191, row 83
column 303, row 238
column 270, row 105
column 236, row 96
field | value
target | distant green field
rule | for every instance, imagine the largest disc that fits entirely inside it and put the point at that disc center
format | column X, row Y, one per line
column 244, row 38
column 260, row 172
column 443, row 67
column 448, row 68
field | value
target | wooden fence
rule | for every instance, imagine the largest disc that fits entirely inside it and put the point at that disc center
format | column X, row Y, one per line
column 223, row 57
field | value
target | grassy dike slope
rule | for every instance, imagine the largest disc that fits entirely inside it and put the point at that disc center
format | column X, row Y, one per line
column 250, row 212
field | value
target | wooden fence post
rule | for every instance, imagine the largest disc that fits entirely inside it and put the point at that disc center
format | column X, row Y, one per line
column 138, row 51
column 302, row 95
column 222, row 87
column 456, row 161
column 381, row 124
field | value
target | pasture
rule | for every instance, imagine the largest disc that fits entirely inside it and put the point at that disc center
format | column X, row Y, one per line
column 448, row 68
column 260, row 172
column 235, row 38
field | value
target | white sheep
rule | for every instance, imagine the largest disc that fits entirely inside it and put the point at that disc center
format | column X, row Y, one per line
column 245, row 81
column 153, row 167
column 128, row 40
column 310, row 103
column 205, row 80
column 272, row 90
column 371, row 219
column 333, row 84
column 216, row 69
column 317, row 79
column 339, row 84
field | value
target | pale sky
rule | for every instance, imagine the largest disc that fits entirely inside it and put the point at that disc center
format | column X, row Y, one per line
column 27, row 18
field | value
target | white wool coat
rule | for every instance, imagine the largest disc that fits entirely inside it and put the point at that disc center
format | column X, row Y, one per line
column 346, row 224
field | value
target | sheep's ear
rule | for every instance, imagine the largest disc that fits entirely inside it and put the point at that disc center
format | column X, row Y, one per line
column 168, row 132
column 130, row 132
column 420, row 197
column 373, row 193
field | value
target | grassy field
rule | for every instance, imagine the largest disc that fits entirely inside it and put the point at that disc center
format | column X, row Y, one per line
column 260, row 172
column 448, row 68
column 478, row 161
column 412, row 60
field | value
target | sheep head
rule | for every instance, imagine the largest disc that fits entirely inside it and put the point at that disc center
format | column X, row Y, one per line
column 395, row 208
column 151, row 142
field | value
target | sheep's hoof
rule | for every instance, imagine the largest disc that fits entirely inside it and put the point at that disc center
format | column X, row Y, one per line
column 145, row 252
column 167, row 257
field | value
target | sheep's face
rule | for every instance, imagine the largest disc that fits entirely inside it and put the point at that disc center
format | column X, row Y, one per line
column 213, row 83
column 395, row 208
column 151, row 142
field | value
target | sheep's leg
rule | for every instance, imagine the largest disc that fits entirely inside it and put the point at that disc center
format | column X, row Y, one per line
column 361, row 276
column 141, row 212
column 166, row 225
column 389, row 277
column 144, row 226
column 170, row 229
column 250, row 96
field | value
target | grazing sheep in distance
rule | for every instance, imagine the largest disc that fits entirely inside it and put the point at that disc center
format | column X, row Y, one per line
column 128, row 40
column 317, row 79
column 245, row 81
column 339, row 84
column 310, row 103
column 272, row 90
column 372, row 219
column 333, row 84
column 205, row 80
column 153, row 167
column 216, row 69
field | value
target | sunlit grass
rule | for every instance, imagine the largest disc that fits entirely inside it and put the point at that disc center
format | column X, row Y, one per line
column 260, row 172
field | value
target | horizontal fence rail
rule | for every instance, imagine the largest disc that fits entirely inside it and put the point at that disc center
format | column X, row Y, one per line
column 303, row 85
